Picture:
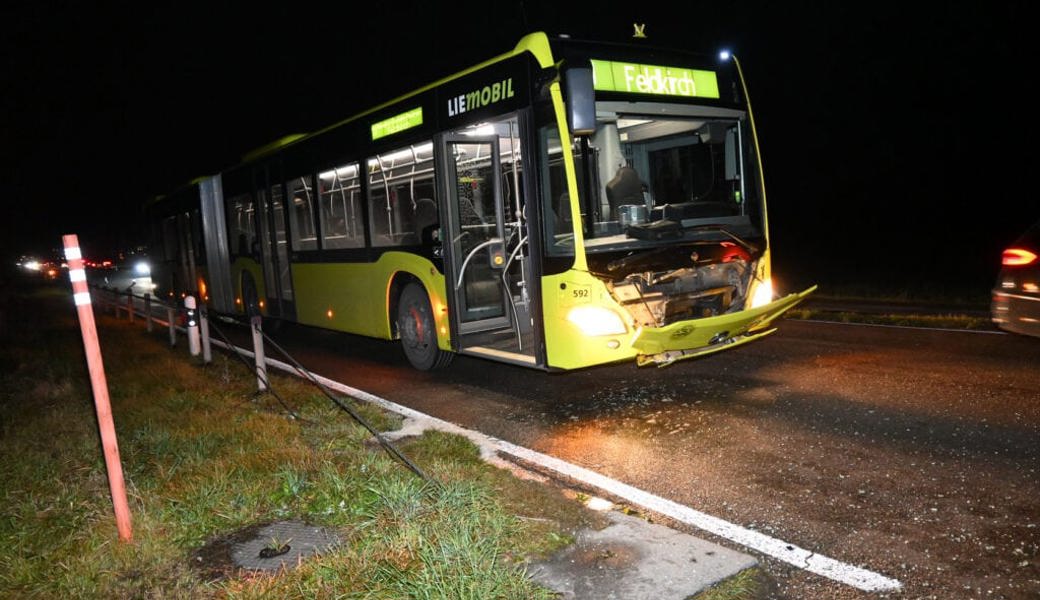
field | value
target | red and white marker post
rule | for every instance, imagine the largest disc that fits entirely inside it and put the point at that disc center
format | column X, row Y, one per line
column 99, row 385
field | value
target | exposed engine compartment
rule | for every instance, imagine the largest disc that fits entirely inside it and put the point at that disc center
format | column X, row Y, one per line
column 714, row 281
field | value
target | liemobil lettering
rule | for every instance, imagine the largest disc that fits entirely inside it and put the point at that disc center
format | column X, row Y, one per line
column 485, row 96
column 652, row 80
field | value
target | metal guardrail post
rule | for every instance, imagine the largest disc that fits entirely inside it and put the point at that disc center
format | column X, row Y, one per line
column 194, row 347
column 170, row 315
column 258, row 353
column 148, row 311
column 130, row 306
column 207, row 353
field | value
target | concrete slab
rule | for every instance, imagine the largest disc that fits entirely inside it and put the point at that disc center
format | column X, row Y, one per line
column 633, row 560
column 303, row 540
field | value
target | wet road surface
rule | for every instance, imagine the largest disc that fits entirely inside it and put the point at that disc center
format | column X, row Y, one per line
column 912, row 453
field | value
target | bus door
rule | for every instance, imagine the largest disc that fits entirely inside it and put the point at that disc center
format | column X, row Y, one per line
column 483, row 251
column 274, row 248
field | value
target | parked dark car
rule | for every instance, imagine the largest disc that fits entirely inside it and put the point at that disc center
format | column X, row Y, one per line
column 1016, row 297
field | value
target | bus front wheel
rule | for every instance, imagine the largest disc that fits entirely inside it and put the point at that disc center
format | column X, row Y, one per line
column 418, row 330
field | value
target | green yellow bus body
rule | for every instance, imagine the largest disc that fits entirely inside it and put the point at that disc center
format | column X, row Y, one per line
column 562, row 205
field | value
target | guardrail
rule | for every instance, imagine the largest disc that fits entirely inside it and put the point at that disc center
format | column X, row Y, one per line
column 184, row 317
column 180, row 317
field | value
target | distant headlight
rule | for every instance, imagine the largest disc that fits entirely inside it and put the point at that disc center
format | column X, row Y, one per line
column 142, row 268
column 763, row 294
column 595, row 320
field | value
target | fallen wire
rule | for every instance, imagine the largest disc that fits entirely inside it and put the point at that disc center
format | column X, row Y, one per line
column 253, row 370
column 385, row 443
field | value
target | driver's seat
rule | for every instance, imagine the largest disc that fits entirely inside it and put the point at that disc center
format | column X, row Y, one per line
column 625, row 188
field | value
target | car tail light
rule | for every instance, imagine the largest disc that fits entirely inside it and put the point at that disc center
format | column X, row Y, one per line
column 1017, row 257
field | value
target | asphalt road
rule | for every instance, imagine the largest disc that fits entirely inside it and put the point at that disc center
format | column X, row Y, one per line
column 912, row 453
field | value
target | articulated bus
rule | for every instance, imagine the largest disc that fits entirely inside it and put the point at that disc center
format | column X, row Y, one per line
column 561, row 205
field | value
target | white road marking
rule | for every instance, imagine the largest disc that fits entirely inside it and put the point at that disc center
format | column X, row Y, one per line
column 830, row 568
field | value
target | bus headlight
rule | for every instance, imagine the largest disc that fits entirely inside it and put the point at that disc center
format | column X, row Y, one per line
column 596, row 320
column 142, row 268
column 763, row 294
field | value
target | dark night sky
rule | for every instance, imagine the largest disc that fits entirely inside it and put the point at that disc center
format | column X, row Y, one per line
column 896, row 138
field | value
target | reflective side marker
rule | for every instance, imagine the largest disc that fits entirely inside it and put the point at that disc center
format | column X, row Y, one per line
column 99, row 386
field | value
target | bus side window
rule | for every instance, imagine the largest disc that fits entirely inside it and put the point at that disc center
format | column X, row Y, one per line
column 397, row 181
column 240, row 224
column 301, row 214
column 197, row 243
column 340, row 204
column 169, row 239
column 383, row 206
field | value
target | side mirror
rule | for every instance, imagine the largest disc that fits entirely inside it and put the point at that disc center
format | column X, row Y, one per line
column 732, row 155
column 581, row 100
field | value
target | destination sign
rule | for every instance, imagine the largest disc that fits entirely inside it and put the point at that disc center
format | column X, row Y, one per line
column 397, row 123
column 612, row 76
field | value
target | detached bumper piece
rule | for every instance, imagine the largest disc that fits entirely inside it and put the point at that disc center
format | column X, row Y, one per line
column 663, row 346
column 666, row 358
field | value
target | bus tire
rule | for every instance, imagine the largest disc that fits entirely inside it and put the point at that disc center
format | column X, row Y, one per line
column 418, row 330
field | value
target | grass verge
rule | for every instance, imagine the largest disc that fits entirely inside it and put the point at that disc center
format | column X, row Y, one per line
column 949, row 321
column 203, row 458
column 747, row 585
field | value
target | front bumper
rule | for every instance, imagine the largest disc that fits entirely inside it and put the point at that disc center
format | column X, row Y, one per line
column 688, row 339
column 1017, row 313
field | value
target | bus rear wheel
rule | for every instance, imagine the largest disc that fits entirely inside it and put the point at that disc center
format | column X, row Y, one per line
column 418, row 330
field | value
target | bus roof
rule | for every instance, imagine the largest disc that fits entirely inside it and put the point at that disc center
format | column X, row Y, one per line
column 546, row 51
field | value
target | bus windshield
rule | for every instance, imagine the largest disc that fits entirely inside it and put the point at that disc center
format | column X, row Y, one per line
column 652, row 175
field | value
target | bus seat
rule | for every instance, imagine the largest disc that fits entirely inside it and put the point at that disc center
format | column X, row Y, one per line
column 625, row 188
column 467, row 214
column 426, row 219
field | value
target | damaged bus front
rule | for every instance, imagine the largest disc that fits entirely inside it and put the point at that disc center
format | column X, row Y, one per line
column 660, row 215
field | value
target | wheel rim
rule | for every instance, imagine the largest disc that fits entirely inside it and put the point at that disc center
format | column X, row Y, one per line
column 417, row 329
column 413, row 329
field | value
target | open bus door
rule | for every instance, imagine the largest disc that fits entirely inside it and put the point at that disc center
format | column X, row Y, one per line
column 483, row 253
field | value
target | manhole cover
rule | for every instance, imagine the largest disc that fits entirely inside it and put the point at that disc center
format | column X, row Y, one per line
column 281, row 544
